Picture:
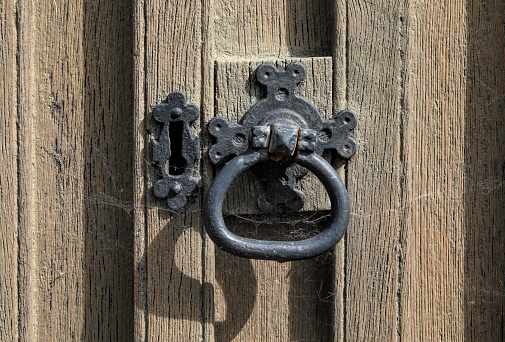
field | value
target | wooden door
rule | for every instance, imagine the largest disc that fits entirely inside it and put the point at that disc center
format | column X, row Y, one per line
column 88, row 253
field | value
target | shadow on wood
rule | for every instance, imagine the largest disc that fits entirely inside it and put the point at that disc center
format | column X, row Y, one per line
column 176, row 291
column 108, row 171
column 485, row 173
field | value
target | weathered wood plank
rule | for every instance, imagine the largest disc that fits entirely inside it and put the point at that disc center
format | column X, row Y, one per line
column 259, row 300
column 339, row 55
column 271, row 30
column 107, row 148
column 374, row 86
column 237, row 90
column 139, row 172
column 8, row 175
column 485, row 172
column 75, row 270
column 58, row 148
column 173, row 61
column 207, row 109
column 27, row 206
column 258, row 28
column 433, row 152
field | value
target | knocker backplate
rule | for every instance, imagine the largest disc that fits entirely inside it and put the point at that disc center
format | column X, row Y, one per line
column 281, row 103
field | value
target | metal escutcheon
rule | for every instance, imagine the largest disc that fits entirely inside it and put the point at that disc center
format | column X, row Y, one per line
column 285, row 135
column 177, row 151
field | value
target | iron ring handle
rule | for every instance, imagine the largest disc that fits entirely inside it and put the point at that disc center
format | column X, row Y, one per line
column 276, row 250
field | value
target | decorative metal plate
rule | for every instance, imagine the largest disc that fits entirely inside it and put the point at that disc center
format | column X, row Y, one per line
column 177, row 151
column 283, row 106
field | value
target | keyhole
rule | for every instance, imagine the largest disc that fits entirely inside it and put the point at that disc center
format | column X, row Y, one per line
column 177, row 163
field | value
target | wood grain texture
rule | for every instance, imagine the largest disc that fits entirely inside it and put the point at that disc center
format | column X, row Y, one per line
column 433, row 151
column 208, row 70
column 75, row 241
column 8, row 175
column 173, row 61
column 237, row 90
column 279, row 28
column 139, row 174
column 423, row 258
column 58, row 147
column 257, row 300
column 107, row 149
column 485, row 172
column 268, row 301
column 28, row 279
column 374, row 90
column 339, row 57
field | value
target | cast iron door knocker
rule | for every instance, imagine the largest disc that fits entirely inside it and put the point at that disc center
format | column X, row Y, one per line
column 280, row 137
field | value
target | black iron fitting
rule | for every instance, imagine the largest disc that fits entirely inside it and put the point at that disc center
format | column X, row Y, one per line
column 280, row 138
column 264, row 126
column 177, row 151
column 283, row 140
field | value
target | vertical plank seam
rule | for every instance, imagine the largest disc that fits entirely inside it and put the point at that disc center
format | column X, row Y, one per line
column 27, row 319
column 202, row 101
column 18, row 187
column 203, row 292
column 144, row 169
column 346, row 170
column 344, row 290
column 207, row 102
column 13, row 120
column 403, row 34
column 140, row 217
column 205, row 18
column 347, row 66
